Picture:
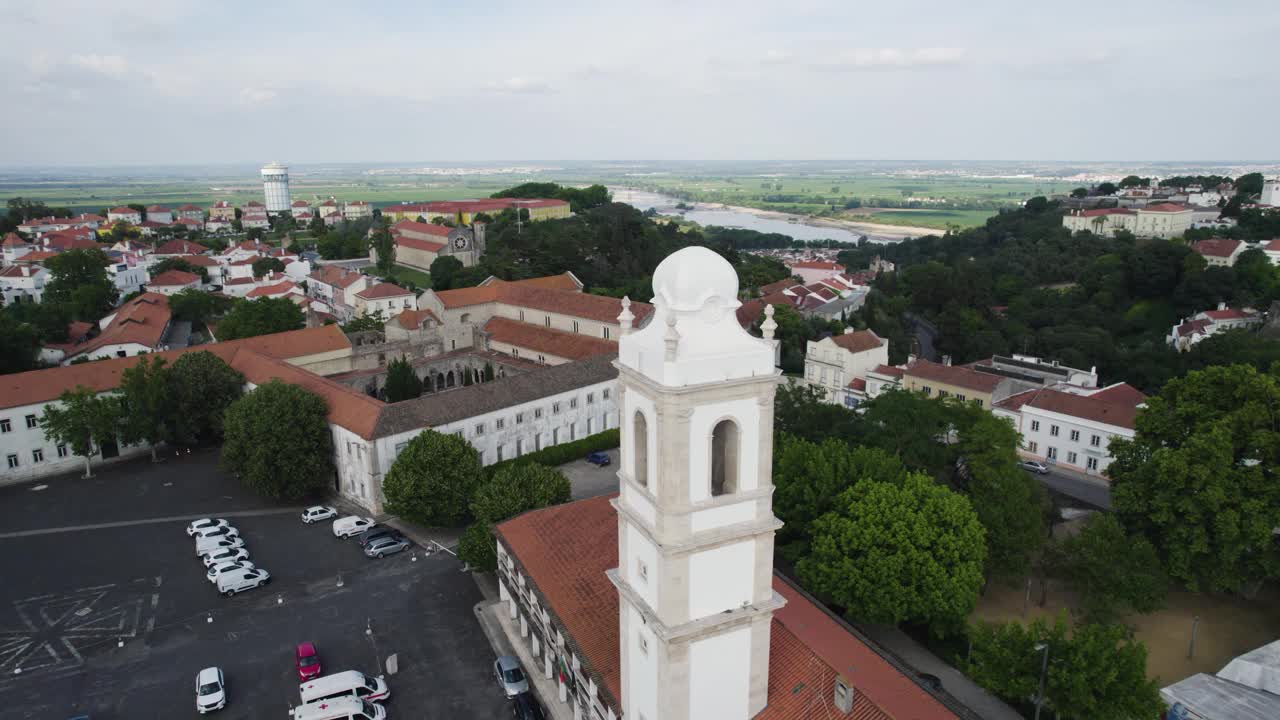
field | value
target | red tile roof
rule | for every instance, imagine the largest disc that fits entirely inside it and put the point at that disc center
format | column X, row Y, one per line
column 383, row 290
column 1227, row 314
column 778, row 286
column 1105, row 211
column 858, row 341
column 36, row 256
column 123, row 210
column 198, row 260
column 888, row 370
column 1216, row 247
column 816, row 265
column 1272, row 245
column 12, row 239
column 858, row 384
column 181, row 247
column 413, row 319
column 414, row 243
column 240, row 281
column 411, row 227
column 141, row 321
column 1165, row 208
column 190, row 208
column 1123, row 393
column 956, row 375
column 563, row 281
column 268, row 290
column 564, row 550
column 534, row 295
column 336, row 276
column 1119, row 414
column 300, row 204
column 549, row 341
column 174, row 277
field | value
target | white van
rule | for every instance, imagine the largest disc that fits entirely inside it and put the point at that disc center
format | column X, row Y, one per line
column 344, row 684
column 204, row 546
column 230, row 583
column 341, row 709
column 351, row 525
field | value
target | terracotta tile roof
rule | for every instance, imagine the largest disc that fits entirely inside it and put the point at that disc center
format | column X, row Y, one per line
column 181, row 247
column 1216, row 247
column 778, row 286
column 36, row 386
column 1105, row 211
column 12, row 239
column 1014, row 402
column 564, row 551
column 240, row 281
column 583, row 305
column 563, row 281
column 222, row 204
column 749, row 311
column 1164, row 207
column 413, row 319
column 174, row 277
column 410, row 226
column 1272, row 245
column 383, row 290
column 19, row 270
column 336, row 276
column 348, row 408
column 1193, row 326
column 68, row 240
column 1122, row 393
column 549, row 341
column 956, row 375
column 190, row 208
column 198, row 260
column 300, row 204
column 142, row 320
column 1228, row 314
column 254, row 203
column 269, row 290
column 859, row 384
column 122, row 210
column 1084, row 406
column 464, row 297
column 816, row 265
column 157, row 208
column 858, row 341
column 414, row 243
column 36, row 256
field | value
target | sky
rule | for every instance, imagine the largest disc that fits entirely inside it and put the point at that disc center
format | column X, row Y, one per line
column 94, row 82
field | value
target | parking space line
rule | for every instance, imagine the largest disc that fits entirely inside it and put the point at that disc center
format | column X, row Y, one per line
column 150, row 521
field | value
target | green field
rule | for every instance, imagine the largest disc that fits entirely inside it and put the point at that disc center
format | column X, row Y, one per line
column 942, row 219
column 401, row 275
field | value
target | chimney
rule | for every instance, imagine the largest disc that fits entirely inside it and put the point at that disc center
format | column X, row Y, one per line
column 1222, row 306
column 26, row 271
column 911, row 358
column 848, row 330
column 946, row 360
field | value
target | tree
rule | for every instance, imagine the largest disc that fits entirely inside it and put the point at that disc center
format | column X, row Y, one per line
column 264, row 316
column 911, row 427
column 513, row 489
column 384, row 247
column 278, row 441
column 890, row 553
column 202, row 387
column 476, row 547
column 19, row 344
column 808, row 479
column 1107, row 188
column 265, row 265
column 1080, row 192
column 402, row 382
column 801, row 411
column 174, row 263
column 443, row 271
column 1113, row 572
column 366, row 321
column 1098, row 673
column 1196, row 479
column 78, row 280
column 1134, row 181
column 147, row 395
column 82, row 420
column 197, row 306
column 1249, row 184
column 433, row 480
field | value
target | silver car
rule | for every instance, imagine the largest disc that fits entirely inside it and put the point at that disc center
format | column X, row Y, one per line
column 385, row 545
column 1036, row 467
column 511, row 679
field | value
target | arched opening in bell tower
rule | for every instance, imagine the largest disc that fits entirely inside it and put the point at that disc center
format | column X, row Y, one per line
column 724, row 458
column 640, row 448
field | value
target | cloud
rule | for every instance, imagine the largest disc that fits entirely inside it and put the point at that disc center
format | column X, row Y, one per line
column 112, row 66
column 522, row 86
column 257, row 95
column 892, row 59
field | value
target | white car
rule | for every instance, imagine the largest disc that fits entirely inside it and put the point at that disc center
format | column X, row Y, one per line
column 223, row 567
column 211, row 690
column 351, row 525
column 204, row 546
column 226, row 555
column 215, row 532
column 316, row 513
column 230, row 583
column 206, row 524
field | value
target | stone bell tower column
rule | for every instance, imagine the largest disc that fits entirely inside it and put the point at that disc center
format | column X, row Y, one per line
column 695, row 512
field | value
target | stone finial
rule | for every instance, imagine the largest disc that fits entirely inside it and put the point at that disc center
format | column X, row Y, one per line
column 625, row 318
column 672, row 338
column 768, row 326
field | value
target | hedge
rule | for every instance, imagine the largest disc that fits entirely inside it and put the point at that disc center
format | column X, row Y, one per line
column 565, row 452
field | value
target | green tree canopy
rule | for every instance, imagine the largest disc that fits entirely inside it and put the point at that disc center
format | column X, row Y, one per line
column 1098, row 672
column 1112, row 572
column 384, row 247
column 511, row 490
column 402, row 381
column 1107, row 188
column 1080, row 192
column 1196, row 480
column 82, row 420
column 799, row 410
column 433, row 480
column 78, row 280
column 278, row 441
column 174, row 263
column 19, row 344
column 202, row 387
column 1249, row 184
column 147, row 395
column 265, row 265
column 197, row 306
column 890, row 553
column 444, row 269
column 263, row 316
column 365, row 322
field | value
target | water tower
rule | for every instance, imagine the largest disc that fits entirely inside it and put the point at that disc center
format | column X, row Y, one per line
column 275, row 186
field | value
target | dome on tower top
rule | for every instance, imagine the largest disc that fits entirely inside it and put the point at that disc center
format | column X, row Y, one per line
column 691, row 277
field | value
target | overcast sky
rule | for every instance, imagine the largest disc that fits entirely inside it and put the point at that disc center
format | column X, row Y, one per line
column 194, row 81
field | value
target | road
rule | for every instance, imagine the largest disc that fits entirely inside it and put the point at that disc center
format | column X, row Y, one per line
column 1092, row 491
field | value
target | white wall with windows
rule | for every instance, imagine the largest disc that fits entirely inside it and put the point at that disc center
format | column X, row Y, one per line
column 1075, row 443
column 26, row 454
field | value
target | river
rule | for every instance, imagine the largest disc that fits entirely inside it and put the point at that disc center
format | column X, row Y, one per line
column 772, row 222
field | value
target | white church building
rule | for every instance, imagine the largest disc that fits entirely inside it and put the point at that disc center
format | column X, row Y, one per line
column 661, row 602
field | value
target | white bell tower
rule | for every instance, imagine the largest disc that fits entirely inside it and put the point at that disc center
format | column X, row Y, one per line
column 695, row 510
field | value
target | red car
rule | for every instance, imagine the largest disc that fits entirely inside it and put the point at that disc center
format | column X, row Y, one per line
column 308, row 661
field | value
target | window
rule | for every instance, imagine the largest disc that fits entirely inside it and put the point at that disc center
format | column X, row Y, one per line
column 1052, row 454
column 499, row 423
column 537, row 413
column 822, row 376
column 591, row 397
column 1091, row 463
column 605, row 393
column 37, row 455
column 943, row 393
column 519, row 447
column 1071, row 458
column 521, row 316
column 724, row 458
column 519, row 418
column 547, row 321
column 959, row 397
column 1075, row 436
column 573, row 403
column 499, row 453
column 13, row 461
column 31, row 421
column 1053, row 430
column 458, row 433
column 1035, row 426
column 642, row 570
column 542, row 359
column 1032, row 447
column 575, row 326
column 928, row 390
column 1095, row 441
column 555, row 408
column 606, row 332
column 62, row 451
column 400, row 448
column 479, row 428
column 5, row 426
column 121, row 353
column 590, row 425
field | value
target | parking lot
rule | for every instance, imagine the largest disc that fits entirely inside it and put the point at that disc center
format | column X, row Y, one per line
column 105, row 609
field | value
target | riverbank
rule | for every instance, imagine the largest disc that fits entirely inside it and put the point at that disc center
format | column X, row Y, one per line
column 887, row 232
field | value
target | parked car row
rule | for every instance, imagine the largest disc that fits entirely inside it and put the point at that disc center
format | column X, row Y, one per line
column 348, row 695
column 515, row 685
column 377, row 541
column 226, row 561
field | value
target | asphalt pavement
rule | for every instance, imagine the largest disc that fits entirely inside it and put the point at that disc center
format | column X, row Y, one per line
column 1091, row 490
column 105, row 609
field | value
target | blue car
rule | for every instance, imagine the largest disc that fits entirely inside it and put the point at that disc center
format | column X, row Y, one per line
column 599, row 457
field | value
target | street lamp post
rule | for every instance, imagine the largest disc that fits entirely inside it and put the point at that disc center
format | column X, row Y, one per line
column 1044, row 667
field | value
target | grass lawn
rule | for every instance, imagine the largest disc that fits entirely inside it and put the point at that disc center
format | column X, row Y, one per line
column 941, row 219
column 401, row 275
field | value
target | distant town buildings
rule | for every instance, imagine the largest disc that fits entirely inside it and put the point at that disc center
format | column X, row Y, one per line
column 838, row 365
column 1219, row 251
column 1203, row 324
column 1161, row 220
column 1072, row 426
column 464, row 212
